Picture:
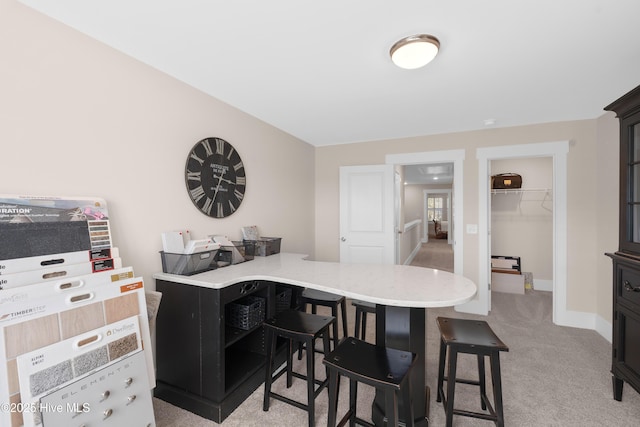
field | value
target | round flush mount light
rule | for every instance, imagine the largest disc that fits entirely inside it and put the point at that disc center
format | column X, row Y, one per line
column 414, row 51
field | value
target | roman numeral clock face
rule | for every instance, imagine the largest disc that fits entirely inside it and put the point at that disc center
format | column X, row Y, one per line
column 215, row 177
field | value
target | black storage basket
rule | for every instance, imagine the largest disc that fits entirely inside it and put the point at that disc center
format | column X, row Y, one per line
column 283, row 299
column 246, row 313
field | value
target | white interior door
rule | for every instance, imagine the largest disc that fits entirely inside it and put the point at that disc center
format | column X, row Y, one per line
column 367, row 233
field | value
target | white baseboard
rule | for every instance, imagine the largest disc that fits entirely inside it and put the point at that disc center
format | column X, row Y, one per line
column 582, row 320
column 604, row 328
column 543, row 285
column 413, row 254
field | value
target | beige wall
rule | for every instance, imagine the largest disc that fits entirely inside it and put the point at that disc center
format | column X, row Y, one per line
column 586, row 164
column 80, row 119
column 607, row 212
column 413, row 203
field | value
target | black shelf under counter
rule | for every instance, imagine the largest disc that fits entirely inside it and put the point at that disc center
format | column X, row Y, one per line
column 204, row 365
column 240, row 366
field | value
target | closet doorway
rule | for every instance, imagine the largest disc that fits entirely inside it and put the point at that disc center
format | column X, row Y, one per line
column 558, row 151
column 522, row 221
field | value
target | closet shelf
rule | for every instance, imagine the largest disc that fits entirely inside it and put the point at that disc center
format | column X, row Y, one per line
column 520, row 190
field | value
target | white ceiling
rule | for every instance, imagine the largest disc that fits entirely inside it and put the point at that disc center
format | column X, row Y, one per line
column 321, row 70
column 433, row 173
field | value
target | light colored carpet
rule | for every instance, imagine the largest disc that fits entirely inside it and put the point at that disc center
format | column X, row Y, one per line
column 437, row 253
column 552, row 376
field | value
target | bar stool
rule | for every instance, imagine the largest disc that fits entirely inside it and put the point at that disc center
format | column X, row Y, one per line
column 470, row 337
column 362, row 308
column 296, row 326
column 325, row 299
column 386, row 369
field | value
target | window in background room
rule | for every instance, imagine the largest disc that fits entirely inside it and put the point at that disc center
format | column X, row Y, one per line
column 434, row 208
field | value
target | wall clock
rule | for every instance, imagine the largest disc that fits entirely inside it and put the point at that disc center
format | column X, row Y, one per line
column 215, row 177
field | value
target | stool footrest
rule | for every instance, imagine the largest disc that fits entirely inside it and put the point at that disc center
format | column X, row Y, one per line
column 321, row 383
column 464, row 381
column 491, row 415
column 471, row 414
column 357, row 421
column 289, row 401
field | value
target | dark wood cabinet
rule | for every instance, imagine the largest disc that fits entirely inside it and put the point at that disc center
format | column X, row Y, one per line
column 625, row 365
column 204, row 365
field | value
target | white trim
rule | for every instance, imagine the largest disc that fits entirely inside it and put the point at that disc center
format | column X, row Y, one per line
column 446, row 156
column 409, row 225
column 413, row 254
column 558, row 150
column 604, row 328
column 543, row 285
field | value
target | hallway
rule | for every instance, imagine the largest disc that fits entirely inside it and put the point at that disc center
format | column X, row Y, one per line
column 437, row 253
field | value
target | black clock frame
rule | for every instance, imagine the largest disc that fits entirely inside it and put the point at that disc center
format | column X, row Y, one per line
column 215, row 177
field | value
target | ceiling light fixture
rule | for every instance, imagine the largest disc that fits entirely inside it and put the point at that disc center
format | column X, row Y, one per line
column 414, row 51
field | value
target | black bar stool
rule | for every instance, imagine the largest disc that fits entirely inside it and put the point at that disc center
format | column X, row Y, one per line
column 362, row 308
column 296, row 326
column 325, row 299
column 386, row 369
column 471, row 337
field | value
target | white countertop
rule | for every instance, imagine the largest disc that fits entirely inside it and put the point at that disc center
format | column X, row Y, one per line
column 394, row 285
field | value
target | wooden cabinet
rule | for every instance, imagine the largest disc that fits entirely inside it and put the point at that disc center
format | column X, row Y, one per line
column 204, row 365
column 625, row 365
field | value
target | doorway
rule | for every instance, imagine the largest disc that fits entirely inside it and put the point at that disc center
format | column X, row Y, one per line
column 456, row 158
column 425, row 199
column 434, row 247
column 558, row 151
column 521, row 221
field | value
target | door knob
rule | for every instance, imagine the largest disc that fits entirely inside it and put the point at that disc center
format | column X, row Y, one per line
column 343, row 239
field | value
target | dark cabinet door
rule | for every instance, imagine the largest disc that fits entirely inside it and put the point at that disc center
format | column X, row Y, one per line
column 178, row 353
column 626, row 351
column 627, row 109
column 630, row 184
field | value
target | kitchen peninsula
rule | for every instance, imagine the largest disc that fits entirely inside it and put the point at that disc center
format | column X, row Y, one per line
column 210, row 368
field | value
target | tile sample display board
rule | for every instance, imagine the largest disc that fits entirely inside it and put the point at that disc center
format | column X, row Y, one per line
column 57, row 331
column 95, row 359
column 33, row 226
column 42, row 315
